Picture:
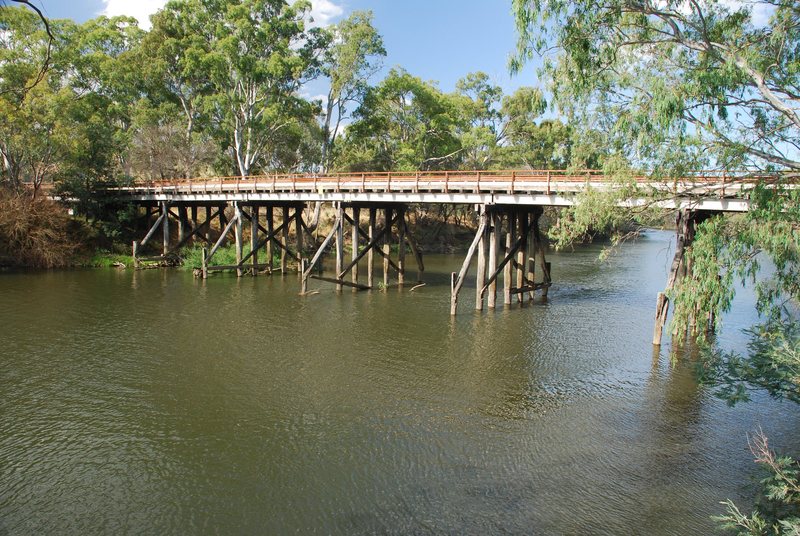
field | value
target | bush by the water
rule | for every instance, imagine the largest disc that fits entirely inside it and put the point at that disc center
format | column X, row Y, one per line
column 35, row 232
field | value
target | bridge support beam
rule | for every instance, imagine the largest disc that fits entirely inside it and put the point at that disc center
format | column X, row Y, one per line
column 686, row 226
column 257, row 241
column 376, row 242
column 516, row 266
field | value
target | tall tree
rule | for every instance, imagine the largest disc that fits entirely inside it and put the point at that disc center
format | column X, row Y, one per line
column 403, row 124
column 483, row 128
column 259, row 58
column 352, row 58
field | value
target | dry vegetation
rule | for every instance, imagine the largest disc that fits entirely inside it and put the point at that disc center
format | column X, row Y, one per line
column 35, row 232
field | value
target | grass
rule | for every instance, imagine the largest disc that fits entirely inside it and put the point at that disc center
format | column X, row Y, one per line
column 225, row 256
column 107, row 259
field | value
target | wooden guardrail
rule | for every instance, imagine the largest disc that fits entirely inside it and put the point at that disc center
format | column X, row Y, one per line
column 510, row 181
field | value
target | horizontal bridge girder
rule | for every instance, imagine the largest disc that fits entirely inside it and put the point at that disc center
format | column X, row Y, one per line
column 378, row 198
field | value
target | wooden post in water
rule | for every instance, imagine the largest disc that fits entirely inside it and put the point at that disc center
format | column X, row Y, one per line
column 480, row 280
column 458, row 282
column 135, row 254
column 204, row 262
column 401, row 247
column 370, row 254
column 254, row 237
column 355, row 239
column 285, row 239
column 540, row 247
column 522, row 256
column 685, row 224
column 387, row 245
column 237, row 232
column 507, row 270
column 165, row 227
column 298, row 229
column 271, row 233
column 339, row 243
column 494, row 243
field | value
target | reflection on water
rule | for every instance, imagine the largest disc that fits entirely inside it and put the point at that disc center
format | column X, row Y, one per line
column 154, row 402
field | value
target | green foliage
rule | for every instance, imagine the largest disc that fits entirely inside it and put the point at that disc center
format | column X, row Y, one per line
column 403, row 124
column 699, row 76
column 192, row 257
column 675, row 86
column 777, row 509
column 353, row 56
column 601, row 212
column 772, row 363
column 108, row 259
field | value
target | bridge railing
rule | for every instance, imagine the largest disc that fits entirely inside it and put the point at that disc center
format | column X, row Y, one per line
column 511, row 181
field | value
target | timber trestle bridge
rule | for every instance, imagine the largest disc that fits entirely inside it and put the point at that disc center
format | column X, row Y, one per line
column 372, row 208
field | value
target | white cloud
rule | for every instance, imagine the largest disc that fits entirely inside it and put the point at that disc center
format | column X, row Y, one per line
column 139, row 9
column 324, row 11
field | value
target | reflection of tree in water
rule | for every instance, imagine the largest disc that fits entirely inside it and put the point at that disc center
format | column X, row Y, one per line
column 675, row 462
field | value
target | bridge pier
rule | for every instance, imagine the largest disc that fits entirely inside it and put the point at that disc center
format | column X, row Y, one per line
column 516, row 266
column 686, row 227
column 394, row 219
column 188, row 229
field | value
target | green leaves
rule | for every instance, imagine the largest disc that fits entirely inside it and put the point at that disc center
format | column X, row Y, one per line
column 674, row 68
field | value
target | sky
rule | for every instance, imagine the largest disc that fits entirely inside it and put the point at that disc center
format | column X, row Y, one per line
column 435, row 40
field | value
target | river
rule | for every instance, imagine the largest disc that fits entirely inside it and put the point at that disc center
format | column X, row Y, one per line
column 152, row 402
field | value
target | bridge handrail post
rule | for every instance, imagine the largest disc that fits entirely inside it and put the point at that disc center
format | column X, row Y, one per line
column 389, row 182
column 416, row 182
column 478, row 186
column 363, row 188
column 338, row 183
column 274, row 178
column 513, row 180
column 294, row 183
column 447, row 182
column 548, row 182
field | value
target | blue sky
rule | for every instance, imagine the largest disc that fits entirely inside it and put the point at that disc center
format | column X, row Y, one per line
column 433, row 39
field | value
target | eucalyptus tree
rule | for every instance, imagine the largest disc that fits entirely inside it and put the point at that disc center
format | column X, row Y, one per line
column 353, row 56
column 259, row 58
column 238, row 65
column 483, row 125
column 404, row 123
column 70, row 125
column 661, row 71
column 679, row 84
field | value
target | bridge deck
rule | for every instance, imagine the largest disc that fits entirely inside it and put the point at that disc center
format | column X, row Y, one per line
column 703, row 191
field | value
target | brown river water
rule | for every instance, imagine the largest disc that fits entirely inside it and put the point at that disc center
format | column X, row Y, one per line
column 155, row 403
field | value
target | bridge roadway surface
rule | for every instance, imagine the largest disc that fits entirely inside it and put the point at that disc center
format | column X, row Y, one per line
column 711, row 191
